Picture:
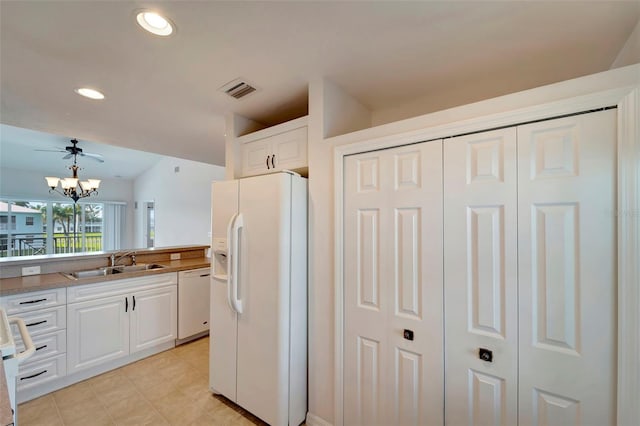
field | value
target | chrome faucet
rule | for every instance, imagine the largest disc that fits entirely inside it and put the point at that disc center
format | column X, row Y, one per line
column 116, row 257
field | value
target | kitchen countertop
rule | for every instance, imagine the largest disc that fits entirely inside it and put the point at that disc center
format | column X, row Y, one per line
column 57, row 280
column 65, row 257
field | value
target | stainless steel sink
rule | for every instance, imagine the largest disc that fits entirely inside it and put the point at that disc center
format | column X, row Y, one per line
column 110, row 270
column 90, row 273
column 138, row 267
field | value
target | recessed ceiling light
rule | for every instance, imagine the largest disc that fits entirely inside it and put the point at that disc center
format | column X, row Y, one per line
column 89, row 93
column 154, row 23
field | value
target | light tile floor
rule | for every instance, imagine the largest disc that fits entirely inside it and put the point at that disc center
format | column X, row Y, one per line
column 167, row 388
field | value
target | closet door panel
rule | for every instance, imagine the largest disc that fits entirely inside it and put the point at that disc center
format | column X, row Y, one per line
column 567, row 276
column 393, row 283
column 365, row 306
column 480, row 256
column 416, row 376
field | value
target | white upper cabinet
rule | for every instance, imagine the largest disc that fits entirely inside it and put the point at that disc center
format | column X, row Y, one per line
column 282, row 147
column 256, row 157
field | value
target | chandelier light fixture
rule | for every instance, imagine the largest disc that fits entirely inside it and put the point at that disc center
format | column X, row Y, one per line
column 73, row 187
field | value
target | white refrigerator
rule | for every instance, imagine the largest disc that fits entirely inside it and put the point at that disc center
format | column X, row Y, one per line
column 258, row 354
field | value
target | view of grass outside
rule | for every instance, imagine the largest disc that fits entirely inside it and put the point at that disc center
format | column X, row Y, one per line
column 65, row 243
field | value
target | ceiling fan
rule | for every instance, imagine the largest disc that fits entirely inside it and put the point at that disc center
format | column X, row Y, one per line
column 73, row 151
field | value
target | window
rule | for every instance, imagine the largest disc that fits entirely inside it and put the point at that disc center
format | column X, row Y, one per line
column 58, row 227
column 25, row 236
column 4, row 222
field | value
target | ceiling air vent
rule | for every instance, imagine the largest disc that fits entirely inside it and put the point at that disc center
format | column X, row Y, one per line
column 238, row 88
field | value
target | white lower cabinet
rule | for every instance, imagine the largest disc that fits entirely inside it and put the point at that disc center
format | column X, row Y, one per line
column 36, row 373
column 84, row 330
column 153, row 318
column 116, row 319
column 44, row 314
column 98, row 332
column 47, row 345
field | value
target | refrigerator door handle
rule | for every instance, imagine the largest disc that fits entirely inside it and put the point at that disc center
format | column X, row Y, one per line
column 237, row 225
column 230, row 258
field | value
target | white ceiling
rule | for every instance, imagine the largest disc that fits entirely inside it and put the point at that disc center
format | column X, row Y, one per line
column 19, row 150
column 161, row 93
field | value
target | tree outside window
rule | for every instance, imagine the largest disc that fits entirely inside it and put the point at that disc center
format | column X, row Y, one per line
column 33, row 227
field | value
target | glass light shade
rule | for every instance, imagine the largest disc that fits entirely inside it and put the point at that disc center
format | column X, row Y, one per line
column 85, row 185
column 95, row 183
column 52, row 182
column 69, row 183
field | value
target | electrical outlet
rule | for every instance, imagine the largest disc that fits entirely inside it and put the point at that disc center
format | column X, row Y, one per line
column 30, row 270
column 175, row 256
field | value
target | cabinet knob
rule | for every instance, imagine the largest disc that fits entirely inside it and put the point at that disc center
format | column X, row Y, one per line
column 485, row 355
column 408, row 334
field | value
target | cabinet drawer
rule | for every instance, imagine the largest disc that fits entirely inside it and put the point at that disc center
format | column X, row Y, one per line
column 35, row 373
column 119, row 287
column 43, row 321
column 25, row 302
column 47, row 345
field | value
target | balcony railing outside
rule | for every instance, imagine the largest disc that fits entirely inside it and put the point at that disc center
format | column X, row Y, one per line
column 35, row 244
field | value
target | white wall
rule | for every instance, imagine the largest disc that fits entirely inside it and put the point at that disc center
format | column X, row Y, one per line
column 182, row 201
column 25, row 184
column 630, row 52
column 483, row 87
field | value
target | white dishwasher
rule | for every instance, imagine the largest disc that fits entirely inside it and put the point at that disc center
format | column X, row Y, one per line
column 193, row 304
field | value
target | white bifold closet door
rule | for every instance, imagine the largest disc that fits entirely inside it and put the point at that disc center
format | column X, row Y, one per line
column 567, row 270
column 393, row 287
column 481, row 278
column 544, row 308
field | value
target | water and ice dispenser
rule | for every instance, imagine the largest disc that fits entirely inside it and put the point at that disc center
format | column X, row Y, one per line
column 220, row 255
